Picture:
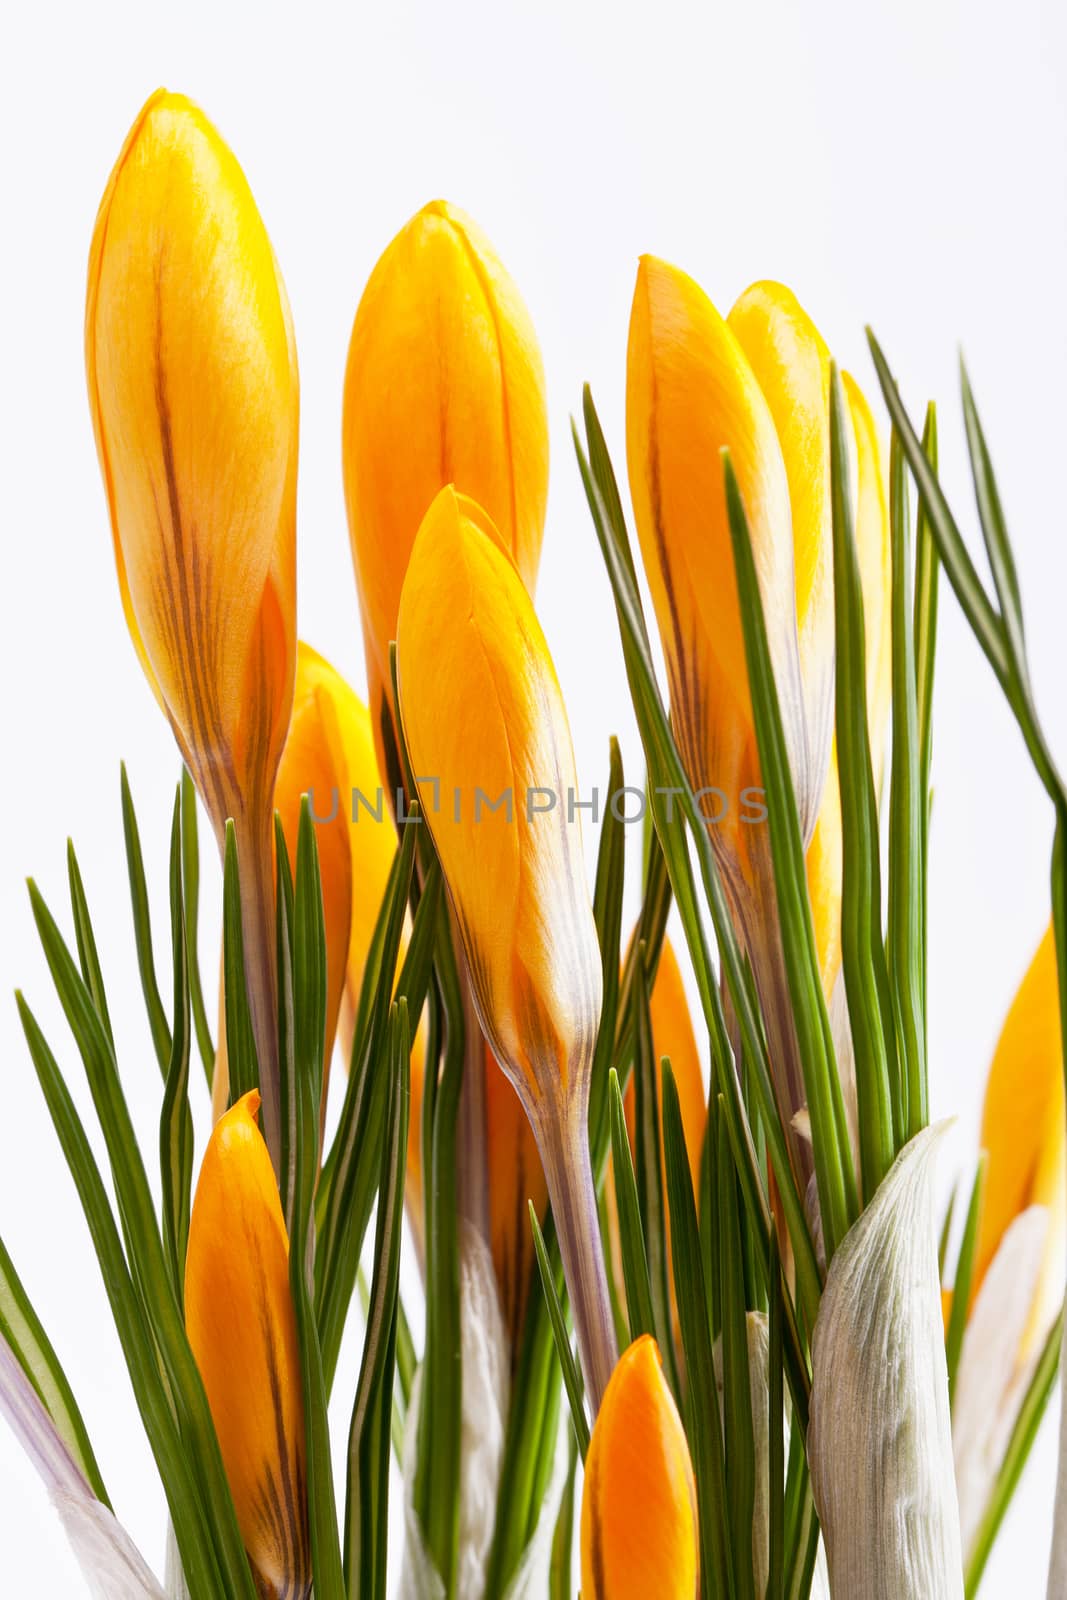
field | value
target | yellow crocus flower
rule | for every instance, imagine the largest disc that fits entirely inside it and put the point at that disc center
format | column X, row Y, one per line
column 491, row 754
column 444, row 384
column 242, row 1329
column 193, row 389
column 1024, row 1134
column 639, row 1520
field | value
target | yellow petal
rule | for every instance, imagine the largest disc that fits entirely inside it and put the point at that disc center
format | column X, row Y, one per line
column 516, row 1177
column 242, row 1329
column 690, row 393
column 792, row 366
column 1023, row 1132
column 444, row 385
column 486, row 728
column 193, row 389
column 639, row 1528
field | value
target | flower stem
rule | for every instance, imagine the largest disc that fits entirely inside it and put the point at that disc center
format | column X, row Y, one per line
column 564, row 1146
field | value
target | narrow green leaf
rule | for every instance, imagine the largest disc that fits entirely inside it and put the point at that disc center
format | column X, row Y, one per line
column 572, row 1381
column 284, row 935
column 189, row 1513
column 862, row 952
column 191, row 895
column 175, row 1122
column 241, row 1055
column 1024, row 1432
column 142, row 927
column 985, row 624
column 88, row 956
column 703, row 1421
column 907, row 810
column 776, row 1436
column 631, row 1237
column 927, row 567
column 739, row 1440
column 561, row 1565
column 141, row 1230
column 961, row 1294
column 946, row 1229
column 309, row 966
column 367, row 1497
column 650, row 1188
column 23, row 1331
column 830, row 1143
column 667, row 780
column 607, row 913
column 439, row 1432
column 994, row 528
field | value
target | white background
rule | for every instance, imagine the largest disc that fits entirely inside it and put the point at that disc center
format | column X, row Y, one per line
column 899, row 163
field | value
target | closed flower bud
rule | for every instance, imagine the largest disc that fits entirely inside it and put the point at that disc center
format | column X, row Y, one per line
column 444, row 385
column 756, row 384
column 639, row 1524
column 193, row 390
column 242, row 1329
column 491, row 755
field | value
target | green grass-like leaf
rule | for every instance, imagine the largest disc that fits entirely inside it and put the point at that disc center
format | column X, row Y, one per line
column 961, row 1294
column 703, row 1420
column 191, row 896
column 631, row 1237
column 175, row 1121
column 367, row 1496
column 572, row 1381
column 241, row 1057
column 142, row 927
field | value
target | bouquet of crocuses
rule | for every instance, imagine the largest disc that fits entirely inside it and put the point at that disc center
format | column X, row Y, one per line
column 691, row 1338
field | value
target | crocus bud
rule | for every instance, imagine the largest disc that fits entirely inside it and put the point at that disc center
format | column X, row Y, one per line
column 491, row 755
column 692, row 390
column 193, row 390
column 758, row 385
column 242, row 1329
column 444, row 385
column 639, row 1523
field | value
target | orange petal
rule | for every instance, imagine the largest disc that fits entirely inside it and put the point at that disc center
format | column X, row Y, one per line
column 444, row 385
column 1023, row 1132
column 639, row 1526
column 489, row 743
column 242, row 1329
column 193, row 389
column 690, row 393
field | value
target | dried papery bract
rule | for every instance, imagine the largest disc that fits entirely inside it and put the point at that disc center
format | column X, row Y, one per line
column 639, row 1519
column 488, row 740
column 444, row 384
column 193, row 389
column 879, row 1441
column 242, row 1329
